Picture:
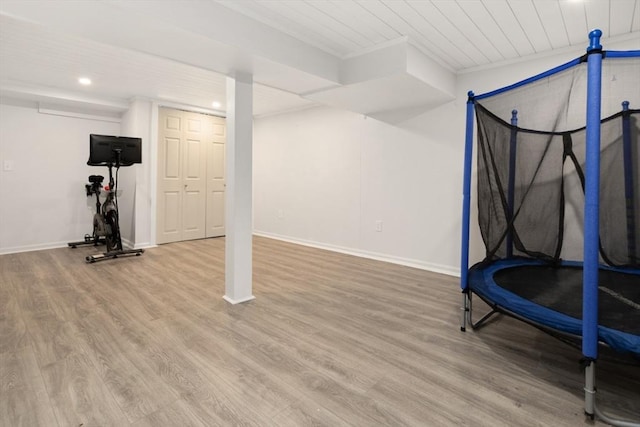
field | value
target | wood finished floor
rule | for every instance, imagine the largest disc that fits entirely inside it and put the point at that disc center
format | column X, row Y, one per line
column 329, row 340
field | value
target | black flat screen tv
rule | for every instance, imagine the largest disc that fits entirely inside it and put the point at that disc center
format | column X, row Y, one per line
column 104, row 149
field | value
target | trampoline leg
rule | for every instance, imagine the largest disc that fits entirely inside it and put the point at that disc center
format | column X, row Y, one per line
column 466, row 306
column 467, row 313
column 591, row 408
column 590, row 389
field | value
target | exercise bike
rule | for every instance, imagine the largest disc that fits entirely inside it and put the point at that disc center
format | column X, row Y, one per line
column 113, row 152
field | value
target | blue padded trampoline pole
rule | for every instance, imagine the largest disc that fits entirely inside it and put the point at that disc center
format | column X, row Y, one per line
column 466, row 209
column 628, row 183
column 591, row 215
column 512, row 180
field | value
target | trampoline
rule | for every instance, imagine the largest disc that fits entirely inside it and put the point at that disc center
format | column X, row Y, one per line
column 558, row 196
column 550, row 296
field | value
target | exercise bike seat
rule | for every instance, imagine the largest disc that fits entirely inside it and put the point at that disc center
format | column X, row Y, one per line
column 96, row 179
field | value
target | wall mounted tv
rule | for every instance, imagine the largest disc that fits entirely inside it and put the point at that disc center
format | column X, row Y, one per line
column 104, row 149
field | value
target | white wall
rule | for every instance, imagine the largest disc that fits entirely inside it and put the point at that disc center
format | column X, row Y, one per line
column 43, row 201
column 324, row 177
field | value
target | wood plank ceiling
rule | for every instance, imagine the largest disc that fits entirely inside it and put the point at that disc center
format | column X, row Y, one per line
column 459, row 34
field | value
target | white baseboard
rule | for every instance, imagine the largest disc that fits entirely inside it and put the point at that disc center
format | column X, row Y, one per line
column 126, row 243
column 436, row 268
column 146, row 245
column 31, row 248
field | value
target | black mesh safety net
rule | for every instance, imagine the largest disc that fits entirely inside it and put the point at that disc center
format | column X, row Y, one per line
column 531, row 173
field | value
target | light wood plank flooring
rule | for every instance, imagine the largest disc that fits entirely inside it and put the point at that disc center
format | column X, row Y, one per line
column 329, row 340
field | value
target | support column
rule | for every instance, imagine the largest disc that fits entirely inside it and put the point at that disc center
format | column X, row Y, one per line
column 238, row 206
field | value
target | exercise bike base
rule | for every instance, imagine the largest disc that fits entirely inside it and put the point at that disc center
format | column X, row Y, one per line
column 85, row 242
column 114, row 254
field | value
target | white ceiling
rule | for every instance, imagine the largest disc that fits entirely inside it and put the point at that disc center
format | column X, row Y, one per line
column 297, row 50
column 43, row 65
column 460, row 34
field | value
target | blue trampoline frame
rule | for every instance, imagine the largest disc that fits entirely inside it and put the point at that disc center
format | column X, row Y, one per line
column 505, row 300
column 588, row 328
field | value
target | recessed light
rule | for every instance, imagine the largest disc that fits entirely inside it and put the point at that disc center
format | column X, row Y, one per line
column 85, row 81
column 216, row 104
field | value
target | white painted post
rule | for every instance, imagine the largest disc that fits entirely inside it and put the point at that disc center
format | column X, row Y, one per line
column 238, row 206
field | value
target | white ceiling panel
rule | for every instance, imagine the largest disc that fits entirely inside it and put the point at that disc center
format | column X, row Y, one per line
column 574, row 19
column 278, row 16
column 459, row 34
column 444, row 26
column 406, row 20
column 342, row 23
column 298, row 18
column 333, row 28
column 386, row 17
column 532, row 26
column 550, row 16
column 297, row 46
column 598, row 15
column 487, row 25
column 40, row 62
column 462, row 23
column 503, row 14
column 621, row 16
column 367, row 21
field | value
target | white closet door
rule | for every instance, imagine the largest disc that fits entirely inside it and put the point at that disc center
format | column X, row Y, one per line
column 216, row 178
column 194, row 179
column 170, row 186
column 182, row 180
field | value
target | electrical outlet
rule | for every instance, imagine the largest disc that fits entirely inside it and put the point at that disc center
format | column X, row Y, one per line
column 378, row 225
column 280, row 214
column 7, row 165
